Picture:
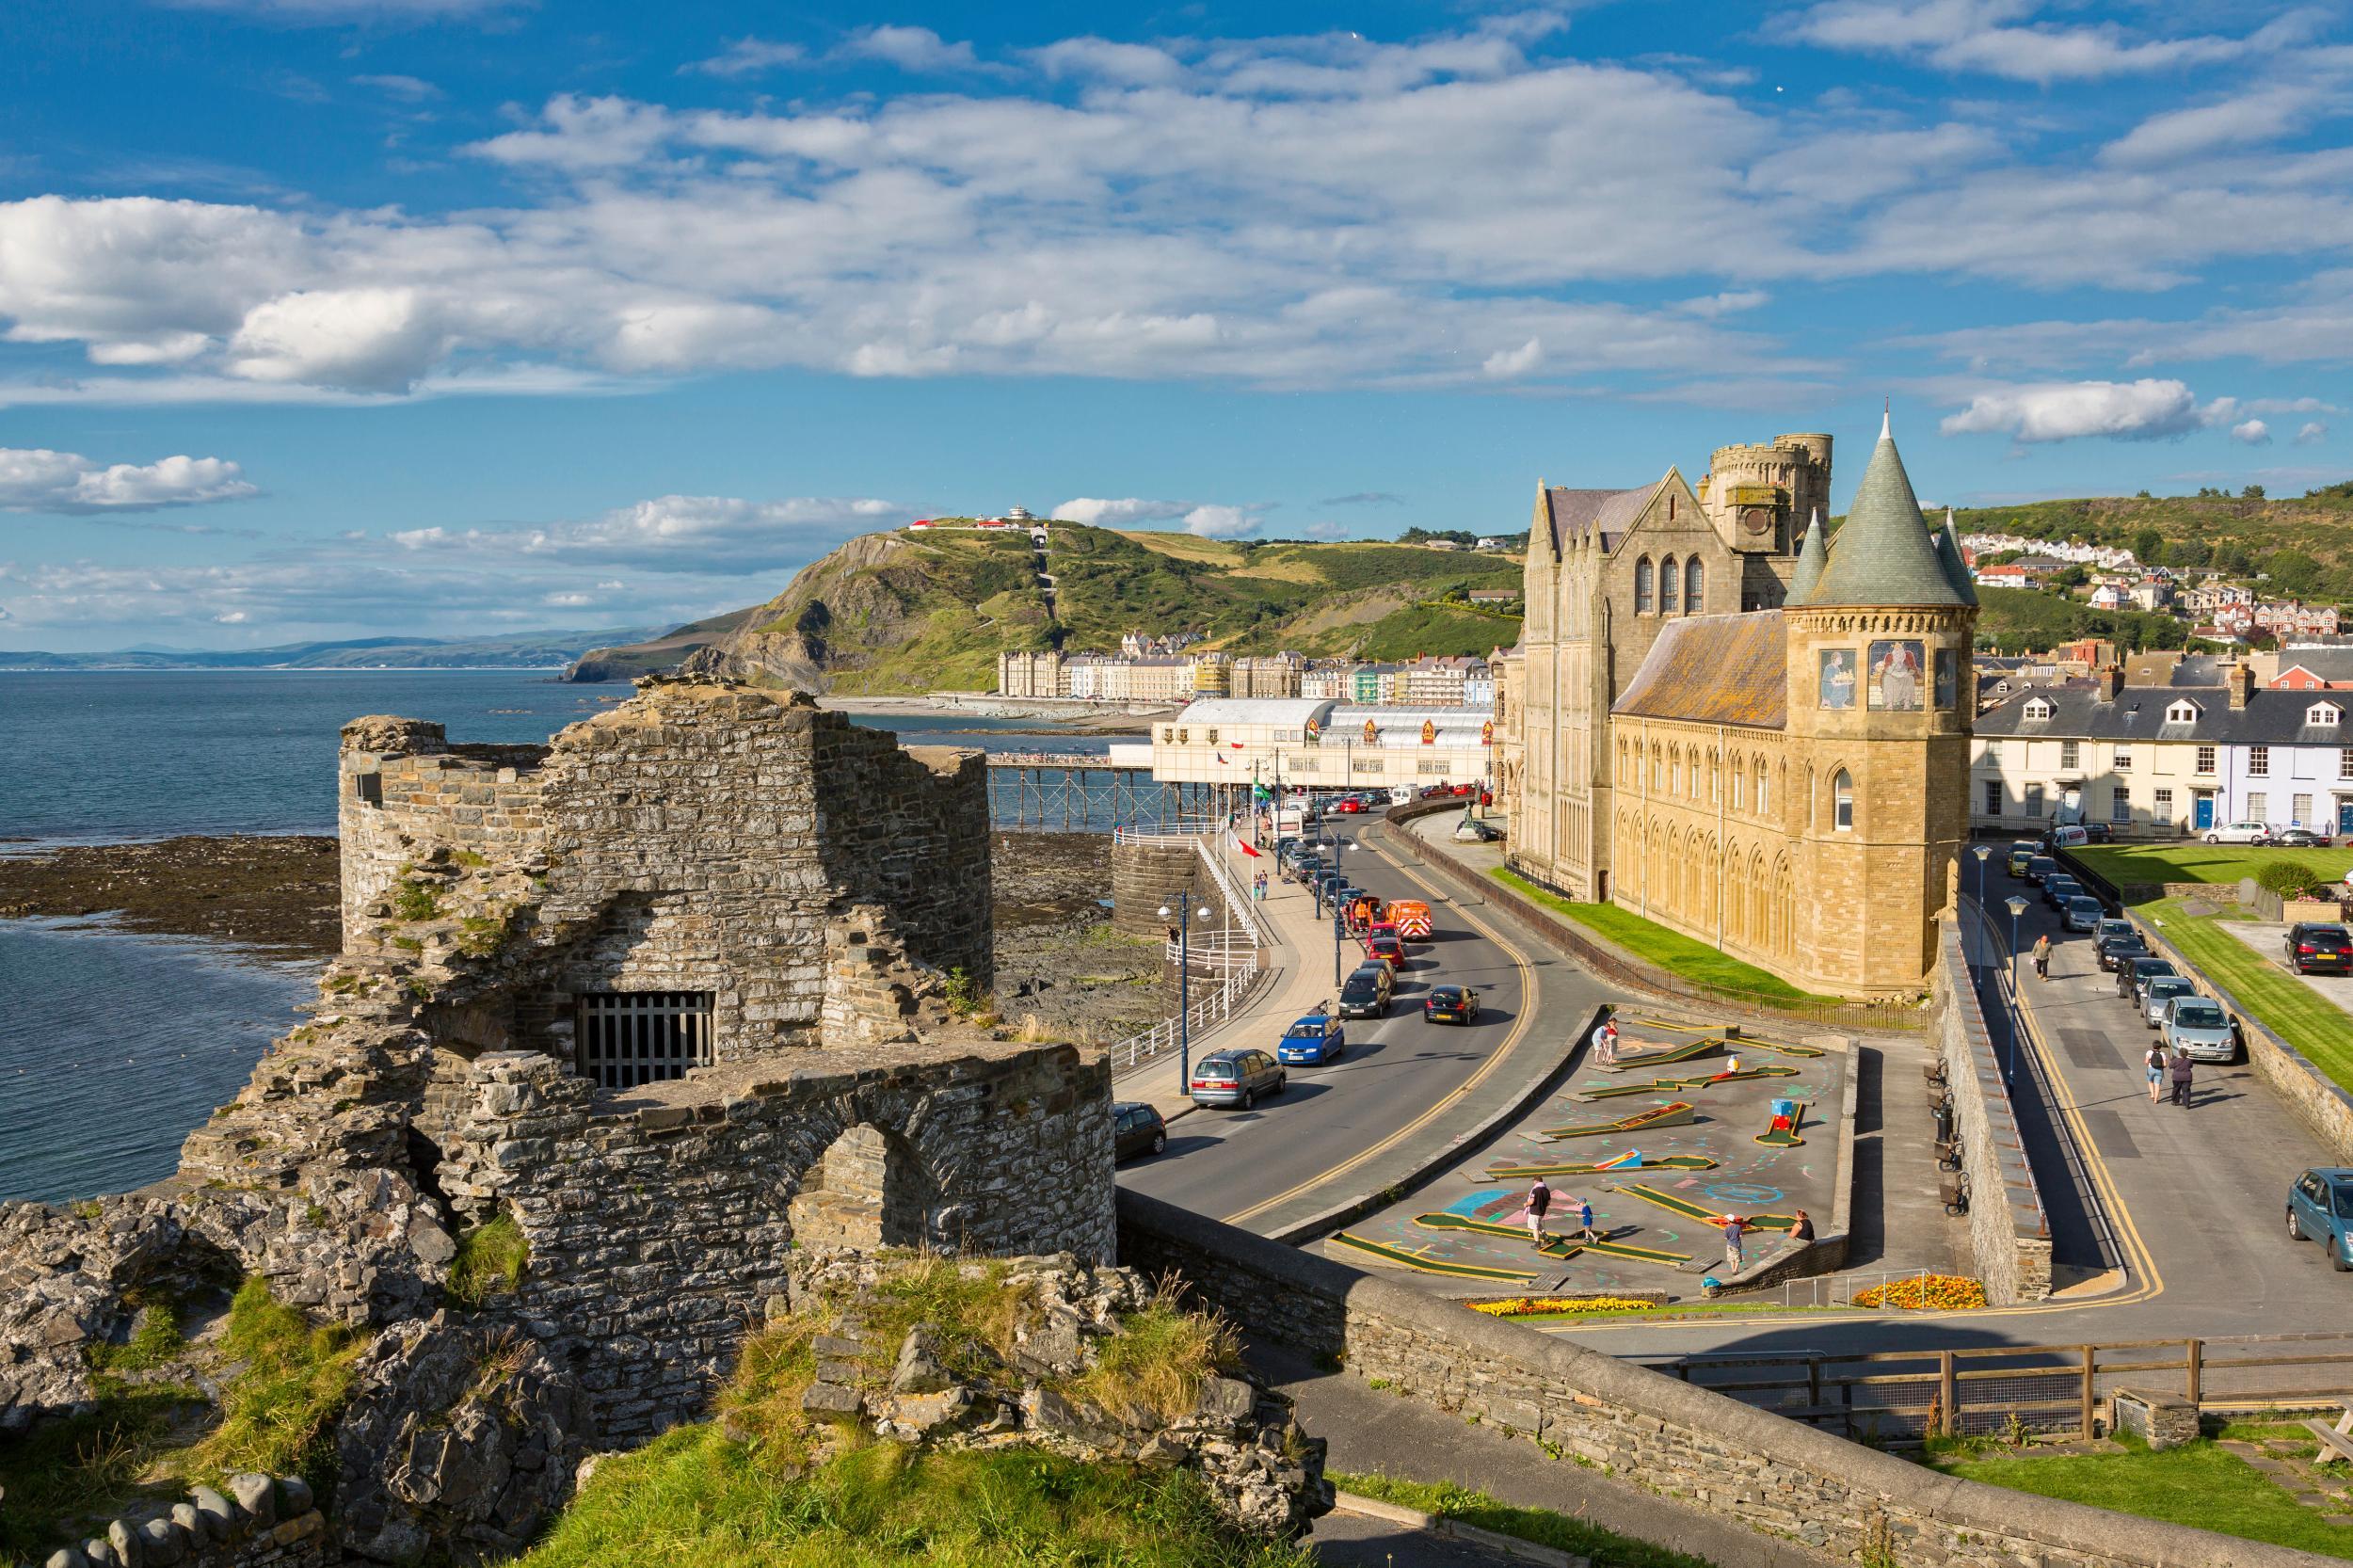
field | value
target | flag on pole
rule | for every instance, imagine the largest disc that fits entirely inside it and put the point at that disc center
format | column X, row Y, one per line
column 1221, row 759
column 1248, row 848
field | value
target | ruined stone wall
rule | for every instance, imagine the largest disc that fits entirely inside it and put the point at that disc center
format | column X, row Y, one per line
column 403, row 793
column 907, row 829
column 660, row 1222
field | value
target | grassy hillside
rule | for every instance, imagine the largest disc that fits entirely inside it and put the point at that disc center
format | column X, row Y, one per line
column 2305, row 543
column 2027, row 620
column 912, row 611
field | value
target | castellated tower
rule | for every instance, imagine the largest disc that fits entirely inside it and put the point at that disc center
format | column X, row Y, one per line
column 1877, row 630
column 1759, row 497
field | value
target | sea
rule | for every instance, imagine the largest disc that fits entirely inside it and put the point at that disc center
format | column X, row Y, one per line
column 115, row 1044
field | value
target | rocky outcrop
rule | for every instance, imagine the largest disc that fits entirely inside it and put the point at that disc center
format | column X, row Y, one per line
column 1264, row 1474
column 258, row 1523
column 459, row 1443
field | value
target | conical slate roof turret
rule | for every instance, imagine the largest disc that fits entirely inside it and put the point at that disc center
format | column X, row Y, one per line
column 1956, row 569
column 1811, row 555
column 1885, row 555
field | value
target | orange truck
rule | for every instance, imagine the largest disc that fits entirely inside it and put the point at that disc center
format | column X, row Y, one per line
column 1412, row 917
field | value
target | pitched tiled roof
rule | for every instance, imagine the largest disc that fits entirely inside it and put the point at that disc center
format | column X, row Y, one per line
column 2269, row 718
column 1714, row 669
column 1573, row 514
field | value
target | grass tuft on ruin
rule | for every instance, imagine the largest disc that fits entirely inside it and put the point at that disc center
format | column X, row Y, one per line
column 491, row 1261
column 1157, row 1363
column 66, row 1474
column 278, row 1411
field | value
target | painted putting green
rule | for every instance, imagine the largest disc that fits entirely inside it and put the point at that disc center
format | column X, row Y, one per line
column 1594, row 1167
column 1678, row 1113
column 1405, row 1259
column 1709, row 1216
column 1678, row 1086
column 1637, row 1255
column 1662, row 1056
column 1554, row 1246
column 1785, row 1047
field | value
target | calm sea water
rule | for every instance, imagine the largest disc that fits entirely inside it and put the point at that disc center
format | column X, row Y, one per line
column 113, row 1045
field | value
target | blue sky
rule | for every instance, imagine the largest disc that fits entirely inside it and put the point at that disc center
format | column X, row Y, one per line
column 454, row 317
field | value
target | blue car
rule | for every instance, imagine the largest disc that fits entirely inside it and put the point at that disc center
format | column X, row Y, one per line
column 1312, row 1041
column 2320, row 1208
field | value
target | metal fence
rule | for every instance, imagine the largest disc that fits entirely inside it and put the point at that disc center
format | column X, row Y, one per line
column 1230, row 952
column 1882, row 1395
column 1226, row 998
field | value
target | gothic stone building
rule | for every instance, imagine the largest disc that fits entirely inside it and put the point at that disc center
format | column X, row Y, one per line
column 1763, row 747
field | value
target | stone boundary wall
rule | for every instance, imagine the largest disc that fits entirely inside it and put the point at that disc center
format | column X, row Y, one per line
column 1144, row 874
column 1705, row 1449
column 260, row 1524
column 2311, row 1094
column 2009, row 1231
column 659, row 1220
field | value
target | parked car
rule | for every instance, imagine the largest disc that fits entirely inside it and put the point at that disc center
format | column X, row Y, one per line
column 2058, row 888
column 2072, row 836
column 2082, row 913
column 2200, row 1028
column 2134, row 975
column 1367, row 991
column 2300, row 838
column 1470, row 830
column 2100, row 832
column 2040, row 867
column 2021, row 852
column 1137, row 1128
column 2319, row 945
column 2119, row 948
column 2240, row 833
column 2320, row 1208
column 2159, row 993
column 1389, row 950
column 1349, row 806
column 1236, row 1078
column 1450, row 1004
column 1312, row 1041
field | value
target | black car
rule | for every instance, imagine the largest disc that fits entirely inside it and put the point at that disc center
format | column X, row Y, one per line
column 2319, row 945
column 2118, row 947
column 2058, row 888
column 2135, row 973
column 1365, row 993
column 1137, row 1128
column 2099, row 833
column 1450, row 1004
column 2300, row 838
column 2041, row 867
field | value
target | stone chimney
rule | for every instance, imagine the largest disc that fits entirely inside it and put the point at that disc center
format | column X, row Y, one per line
column 2240, row 679
column 2111, row 682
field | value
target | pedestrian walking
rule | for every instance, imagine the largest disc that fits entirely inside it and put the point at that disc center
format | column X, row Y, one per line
column 2043, row 956
column 2181, row 1071
column 1734, row 1227
column 1538, row 1200
column 1585, row 1231
column 2154, row 1061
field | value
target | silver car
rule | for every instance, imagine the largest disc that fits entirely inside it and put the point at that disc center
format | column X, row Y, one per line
column 2082, row 913
column 2161, row 991
column 2199, row 1026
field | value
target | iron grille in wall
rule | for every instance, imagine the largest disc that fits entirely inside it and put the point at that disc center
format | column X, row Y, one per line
column 632, row 1038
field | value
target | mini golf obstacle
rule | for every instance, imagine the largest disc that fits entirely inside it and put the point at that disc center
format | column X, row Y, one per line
column 1782, row 1047
column 1788, row 1115
column 1559, row 1247
column 1422, row 1263
column 1689, row 1211
column 1676, row 1086
column 1652, row 1054
column 1678, row 1113
column 1631, row 1161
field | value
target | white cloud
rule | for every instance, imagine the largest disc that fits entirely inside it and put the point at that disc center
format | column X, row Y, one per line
column 1099, row 513
column 320, row 12
column 2001, row 38
column 1510, row 364
column 1727, row 303
column 916, row 48
column 370, row 340
column 674, row 531
column 412, row 89
column 39, row 480
column 1222, row 522
column 749, row 57
column 1100, row 59
column 232, row 618
column 2242, row 121
column 2311, row 434
column 2253, row 432
column 2063, row 410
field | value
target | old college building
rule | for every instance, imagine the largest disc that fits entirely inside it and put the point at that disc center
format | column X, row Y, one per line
column 1723, row 721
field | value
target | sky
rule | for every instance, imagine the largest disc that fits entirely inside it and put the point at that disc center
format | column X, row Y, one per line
column 344, row 318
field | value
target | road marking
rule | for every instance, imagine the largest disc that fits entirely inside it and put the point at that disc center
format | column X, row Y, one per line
column 1527, row 1020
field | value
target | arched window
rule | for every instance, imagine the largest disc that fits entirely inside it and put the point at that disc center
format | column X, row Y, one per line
column 1694, row 586
column 1670, row 583
column 1642, row 586
column 1842, row 802
column 1763, row 805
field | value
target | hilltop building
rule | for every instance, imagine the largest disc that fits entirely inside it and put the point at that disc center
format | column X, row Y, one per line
column 1724, row 722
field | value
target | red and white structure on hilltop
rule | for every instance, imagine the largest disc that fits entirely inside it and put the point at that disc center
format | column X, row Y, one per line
column 1017, row 517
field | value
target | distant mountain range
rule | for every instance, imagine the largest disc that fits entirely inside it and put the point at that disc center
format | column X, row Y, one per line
column 520, row 650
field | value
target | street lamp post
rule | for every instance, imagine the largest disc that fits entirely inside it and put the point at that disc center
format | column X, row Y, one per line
column 1184, row 912
column 1337, row 845
column 2010, row 1066
column 1981, row 852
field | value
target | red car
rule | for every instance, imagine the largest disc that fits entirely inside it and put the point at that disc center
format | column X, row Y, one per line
column 1386, row 948
column 1352, row 806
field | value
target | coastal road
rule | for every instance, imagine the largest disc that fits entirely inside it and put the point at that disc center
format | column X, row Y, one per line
column 1400, row 1081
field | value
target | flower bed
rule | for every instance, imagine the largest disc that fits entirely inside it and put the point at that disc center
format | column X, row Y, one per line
column 1530, row 1306
column 1926, row 1294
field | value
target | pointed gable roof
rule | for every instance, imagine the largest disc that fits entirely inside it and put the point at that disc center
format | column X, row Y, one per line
column 1572, row 514
column 1956, row 569
column 1885, row 555
column 1812, row 557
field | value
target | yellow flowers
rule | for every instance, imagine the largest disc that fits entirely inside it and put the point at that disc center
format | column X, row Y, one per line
column 1926, row 1293
column 1530, row 1306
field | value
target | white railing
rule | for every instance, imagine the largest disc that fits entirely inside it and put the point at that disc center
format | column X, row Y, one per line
column 1174, row 833
column 1222, row 1002
column 1238, row 902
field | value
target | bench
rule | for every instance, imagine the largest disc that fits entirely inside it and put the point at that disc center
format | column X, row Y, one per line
column 2336, row 1442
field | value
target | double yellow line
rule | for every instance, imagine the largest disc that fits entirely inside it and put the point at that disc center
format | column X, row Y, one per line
column 1446, row 1101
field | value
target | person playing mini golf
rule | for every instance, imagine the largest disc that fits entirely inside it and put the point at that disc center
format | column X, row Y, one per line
column 1734, row 1227
column 1538, row 1200
column 1585, row 1231
column 1606, row 1044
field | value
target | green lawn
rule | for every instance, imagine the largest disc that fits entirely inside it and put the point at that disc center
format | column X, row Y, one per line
column 1670, row 950
column 2290, row 1009
column 2192, row 861
column 2197, row 1484
column 1606, row 1549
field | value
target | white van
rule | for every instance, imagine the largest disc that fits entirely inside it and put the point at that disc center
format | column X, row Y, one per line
column 1400, row 794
